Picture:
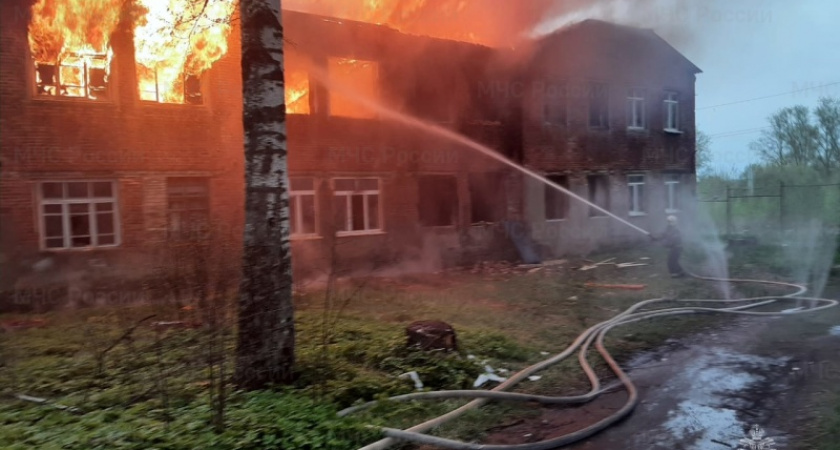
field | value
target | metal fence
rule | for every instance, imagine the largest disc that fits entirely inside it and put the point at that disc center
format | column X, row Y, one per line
column 745, row 210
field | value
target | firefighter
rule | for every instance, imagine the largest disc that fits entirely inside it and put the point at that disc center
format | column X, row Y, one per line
column 672, row 239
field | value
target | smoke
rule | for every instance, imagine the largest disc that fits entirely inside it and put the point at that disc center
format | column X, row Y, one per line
column 810, row 250
column 504, row 23
column 705, row 236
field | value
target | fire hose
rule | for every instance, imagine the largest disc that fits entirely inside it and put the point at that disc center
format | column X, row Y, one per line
column 595, row 334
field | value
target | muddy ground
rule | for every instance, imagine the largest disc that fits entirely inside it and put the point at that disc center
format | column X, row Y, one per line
column 705, row 391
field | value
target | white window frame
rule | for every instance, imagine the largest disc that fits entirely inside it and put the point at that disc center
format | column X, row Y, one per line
column 348, row 202
column 637, row 195
column 672, row 183
column 636, row 110
column 296, row 208
column 65, row 215
column 672, row 112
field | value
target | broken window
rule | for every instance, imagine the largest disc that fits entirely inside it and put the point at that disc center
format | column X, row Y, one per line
column 636, row 187
column 636, row 114
column 599, row 194
column 71, row 52
column 297, row 84
column 175, row 42
column 188, row 208
column 302, row 206
column 487, row 198
column 554, row 104
column 357, row 205
column 556, row 202
column 74, row 75
column 672, row 193
column 438, row 203
column 599, row 104
column 78, row 214
column 361, row 78
column 672, row 112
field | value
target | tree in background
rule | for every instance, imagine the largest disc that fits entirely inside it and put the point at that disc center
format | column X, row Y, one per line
column 800, row 137
column 702, row 155
column 266, row 336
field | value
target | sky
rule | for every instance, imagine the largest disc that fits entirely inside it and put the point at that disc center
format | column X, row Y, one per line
column 747, row 49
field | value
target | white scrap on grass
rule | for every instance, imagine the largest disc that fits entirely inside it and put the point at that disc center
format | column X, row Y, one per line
column 489, row 375
column 416, row 378
column 544, row 353
column 534, row 377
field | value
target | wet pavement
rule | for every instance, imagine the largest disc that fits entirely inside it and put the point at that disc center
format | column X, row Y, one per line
column 702, row 392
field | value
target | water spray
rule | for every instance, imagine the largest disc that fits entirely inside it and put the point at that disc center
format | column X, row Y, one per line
column 414, row 122
column 584, row 341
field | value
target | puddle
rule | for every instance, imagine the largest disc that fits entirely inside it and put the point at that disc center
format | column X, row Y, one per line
column 834, row 331
column 703, row 412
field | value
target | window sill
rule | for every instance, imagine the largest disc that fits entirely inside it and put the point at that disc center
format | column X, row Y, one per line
column 306, row 237
column 672, row 211
column 105, row 248
column 152, row 103
column 359, row 233
column 636, row 214
column 672, row 131
column 61, row 99
column 555, row 220
column 637, row 130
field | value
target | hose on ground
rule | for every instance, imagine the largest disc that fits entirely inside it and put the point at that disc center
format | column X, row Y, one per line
column 595, row 334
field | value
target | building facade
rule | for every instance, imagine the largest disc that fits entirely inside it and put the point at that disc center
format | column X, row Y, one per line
column 101, row 168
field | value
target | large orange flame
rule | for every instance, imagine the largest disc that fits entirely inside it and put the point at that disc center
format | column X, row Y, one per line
column 488, row 22
column 69, row 39
column 176, row 40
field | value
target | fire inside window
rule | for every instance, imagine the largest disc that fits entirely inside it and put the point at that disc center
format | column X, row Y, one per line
column 74, row 75
column 186, row 90
column 356, row 76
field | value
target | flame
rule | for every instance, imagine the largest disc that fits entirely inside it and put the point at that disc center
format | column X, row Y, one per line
column 362, row 76
column 69, row 40
column 487, row 22
column 176, row 40
column 297, row 92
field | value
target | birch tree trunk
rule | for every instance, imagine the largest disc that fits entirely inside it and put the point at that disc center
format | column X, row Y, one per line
column 266, row 335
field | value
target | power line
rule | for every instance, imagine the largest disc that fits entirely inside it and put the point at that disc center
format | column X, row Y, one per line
column 738, row 132
column 768, row 96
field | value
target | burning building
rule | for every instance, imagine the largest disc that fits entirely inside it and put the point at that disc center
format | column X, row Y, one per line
column 122, row 134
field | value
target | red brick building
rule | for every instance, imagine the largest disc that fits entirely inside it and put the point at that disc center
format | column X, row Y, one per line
column 98, row 176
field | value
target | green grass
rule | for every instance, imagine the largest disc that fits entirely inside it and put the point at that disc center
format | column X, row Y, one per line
column 153, row 390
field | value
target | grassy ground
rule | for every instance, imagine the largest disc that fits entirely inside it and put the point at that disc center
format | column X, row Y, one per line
column 154, row 389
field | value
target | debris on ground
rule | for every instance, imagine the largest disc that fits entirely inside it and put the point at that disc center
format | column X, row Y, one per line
column 17, row 325
column 176, row 324
column 415, row 378
column 488, row 375
column 632, row 287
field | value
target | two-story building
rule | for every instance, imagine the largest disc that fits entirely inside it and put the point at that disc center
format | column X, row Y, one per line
column 107, row 156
